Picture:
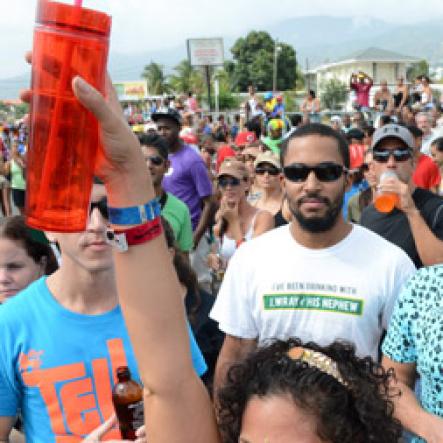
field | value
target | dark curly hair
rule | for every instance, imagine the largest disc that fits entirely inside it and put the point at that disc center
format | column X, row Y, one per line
column 360, row 412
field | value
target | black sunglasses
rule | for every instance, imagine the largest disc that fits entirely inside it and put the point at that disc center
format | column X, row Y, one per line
column 270, row 171
column 101, row 205
column 364, row 167
column 210, row 151
column 325, row 172
column 226, row 180
column 156, row 160
column 399, row 154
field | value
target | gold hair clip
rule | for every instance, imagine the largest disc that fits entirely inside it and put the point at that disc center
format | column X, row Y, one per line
column 318, row 360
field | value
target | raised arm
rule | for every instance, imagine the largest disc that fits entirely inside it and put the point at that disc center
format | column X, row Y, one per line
column 177, row 407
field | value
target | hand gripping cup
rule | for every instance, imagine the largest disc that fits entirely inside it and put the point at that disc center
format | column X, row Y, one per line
column 386, row 201
column 64, row 136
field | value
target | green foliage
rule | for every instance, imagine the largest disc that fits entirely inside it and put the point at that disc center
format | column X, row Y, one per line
column 300, row 79
column 417, row 69
column 156, row 79
column 334, row 93
column 254, row 63
column 13, row 112
column 286, row 67
column 290, row 101
column 187, row 79
column 226, row 99
column 21, row 110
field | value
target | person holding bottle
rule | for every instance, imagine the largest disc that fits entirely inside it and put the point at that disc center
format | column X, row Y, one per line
column 408, row 216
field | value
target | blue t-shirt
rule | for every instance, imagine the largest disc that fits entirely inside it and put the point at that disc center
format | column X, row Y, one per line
column 415, row 334
column 58, row 366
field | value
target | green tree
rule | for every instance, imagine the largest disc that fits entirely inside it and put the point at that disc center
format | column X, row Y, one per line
column 187, row 78
column 226, row 99
column 417, row 69
column 13, row 112
column 156, row 79
column 334, row 93
column 300, row 79
column 254, row 63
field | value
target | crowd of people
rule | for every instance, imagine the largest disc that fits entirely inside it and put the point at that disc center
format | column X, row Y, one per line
column 283, row 303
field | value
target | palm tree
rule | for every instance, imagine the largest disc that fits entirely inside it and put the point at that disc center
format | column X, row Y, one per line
column 156, row 79
column 187, row 78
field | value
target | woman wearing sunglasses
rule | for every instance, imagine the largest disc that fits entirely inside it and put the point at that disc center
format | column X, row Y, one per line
column 268, row 178
column 236, row 221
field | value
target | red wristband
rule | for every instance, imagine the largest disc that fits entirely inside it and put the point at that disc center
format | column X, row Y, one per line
column 137, row 235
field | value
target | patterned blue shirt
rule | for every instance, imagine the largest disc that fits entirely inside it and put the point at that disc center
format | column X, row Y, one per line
column 415, row 334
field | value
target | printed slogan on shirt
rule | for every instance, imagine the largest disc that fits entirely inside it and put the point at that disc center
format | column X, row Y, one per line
column 316, row 302
column 76, row 404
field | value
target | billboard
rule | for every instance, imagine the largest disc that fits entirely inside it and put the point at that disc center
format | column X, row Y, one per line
column 131, row 91
column 205, row 51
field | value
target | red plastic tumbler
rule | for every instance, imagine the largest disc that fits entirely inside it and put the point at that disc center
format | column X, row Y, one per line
column 64, row 136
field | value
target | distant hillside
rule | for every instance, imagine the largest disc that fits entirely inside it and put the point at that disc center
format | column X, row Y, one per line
column 319, row 39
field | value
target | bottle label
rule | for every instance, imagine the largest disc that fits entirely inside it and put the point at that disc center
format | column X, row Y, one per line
column 137, row 414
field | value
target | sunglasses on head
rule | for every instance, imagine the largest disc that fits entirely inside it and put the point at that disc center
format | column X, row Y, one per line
column 263, row 170
column 325, row 172
column 399, row 154
column 156, row 160
column 226, row 180
column 101, row 205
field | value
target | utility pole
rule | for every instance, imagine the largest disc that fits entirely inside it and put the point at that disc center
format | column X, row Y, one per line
column 208, row 85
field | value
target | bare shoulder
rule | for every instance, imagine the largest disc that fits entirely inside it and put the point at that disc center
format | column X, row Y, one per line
column 264, row 221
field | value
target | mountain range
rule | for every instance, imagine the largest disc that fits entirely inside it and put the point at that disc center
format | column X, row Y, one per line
column 317, row 40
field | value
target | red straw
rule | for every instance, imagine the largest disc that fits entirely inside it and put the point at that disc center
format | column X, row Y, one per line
column 78, row 3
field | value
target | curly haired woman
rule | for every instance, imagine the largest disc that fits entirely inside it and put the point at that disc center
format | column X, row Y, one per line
column 290, row 392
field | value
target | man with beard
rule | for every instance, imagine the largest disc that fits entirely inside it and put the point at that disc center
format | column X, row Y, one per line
column 318, row 278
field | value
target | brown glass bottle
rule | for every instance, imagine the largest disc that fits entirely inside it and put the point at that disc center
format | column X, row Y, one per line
column 127, row 397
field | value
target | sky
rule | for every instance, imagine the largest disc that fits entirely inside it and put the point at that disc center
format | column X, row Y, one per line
column 143, row 25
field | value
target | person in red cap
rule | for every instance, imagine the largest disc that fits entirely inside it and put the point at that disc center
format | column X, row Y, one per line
column 245, row 138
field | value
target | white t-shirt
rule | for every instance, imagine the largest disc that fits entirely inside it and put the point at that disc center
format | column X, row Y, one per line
column 277, row 288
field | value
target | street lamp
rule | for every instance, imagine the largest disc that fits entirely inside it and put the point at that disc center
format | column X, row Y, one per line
column 277, row 49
